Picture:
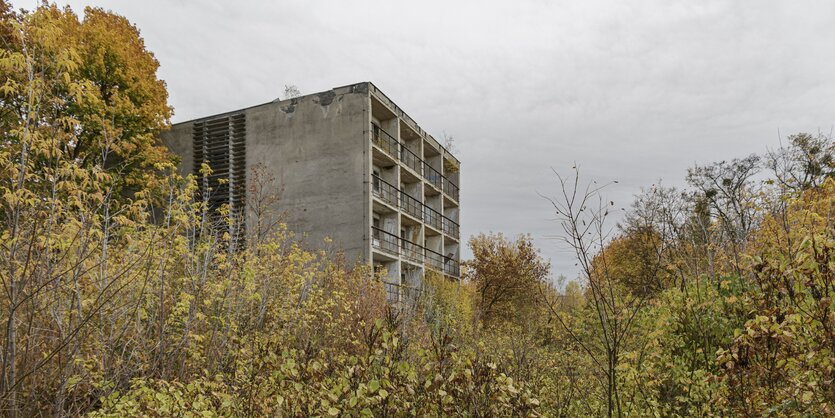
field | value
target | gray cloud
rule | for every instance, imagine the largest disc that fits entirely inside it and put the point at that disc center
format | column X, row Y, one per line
column 634, row 91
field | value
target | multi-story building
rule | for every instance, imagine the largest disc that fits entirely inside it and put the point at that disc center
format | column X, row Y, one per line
column 351, row 166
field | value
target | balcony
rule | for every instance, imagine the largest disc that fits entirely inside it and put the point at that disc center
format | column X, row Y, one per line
column 397, row 198
column 385, row 241
column 434, row 260
column 394, row 245
column 410, row 205
column 432, row 176
column 432, row 217
column 384, row 190
column 401, row 293
column 391, row 146
column 385, row 141
column 411, row 159
column 450, row 227
column 451, row 189
column 452, row 268
column 411, row 251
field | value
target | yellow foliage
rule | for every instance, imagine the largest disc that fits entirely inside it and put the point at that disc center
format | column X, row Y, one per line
column 634, row 261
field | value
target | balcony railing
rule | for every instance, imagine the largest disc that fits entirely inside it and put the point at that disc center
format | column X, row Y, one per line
column 390, row 243
column 394, row 148
column 384, row 141
column 450, row 227
column 432, row 217
column 452, row 268
column 432, row 175
column 385, row 241
column 411, row 159
column 410, row 205
column 384, row 190
column 411, row 251
column 434, row 260
column 402, row 293
column 451, row 189
column 392, row 292
column 410, row 294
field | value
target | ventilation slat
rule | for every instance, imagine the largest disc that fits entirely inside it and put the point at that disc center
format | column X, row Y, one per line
column 221, row 143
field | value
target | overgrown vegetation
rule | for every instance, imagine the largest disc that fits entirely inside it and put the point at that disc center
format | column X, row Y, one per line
column 121, row 296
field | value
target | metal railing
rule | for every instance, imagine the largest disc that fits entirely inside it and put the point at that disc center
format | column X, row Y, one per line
column 411, row 159
column 410, row 205
column 385, row 141
column 432, row 217
column 410, row 294
column 400, row 151
column 434, row 260
column 385, row 241
column 395, row 245
column 450, row 227
column 384, row 190
column 452, row 268
column 402, row 293
column 451, row 189
column 392, row 292
column 433, row 176
column 411, row 251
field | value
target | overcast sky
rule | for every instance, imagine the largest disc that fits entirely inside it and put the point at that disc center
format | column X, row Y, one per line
column 632, row 91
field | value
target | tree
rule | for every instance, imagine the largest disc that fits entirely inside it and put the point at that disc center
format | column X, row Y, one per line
column 449, row 143
column 673, row 230
column 805, row 163
column 80, row 108
column 507, row 275
column 88, row 89
column 783, row 359
column 731, row 195
column 636, row 260
column 291, row 91
column 582, row 214
column 5, row 17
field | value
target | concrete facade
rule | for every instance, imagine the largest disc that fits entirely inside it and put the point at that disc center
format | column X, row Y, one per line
column 355, row 168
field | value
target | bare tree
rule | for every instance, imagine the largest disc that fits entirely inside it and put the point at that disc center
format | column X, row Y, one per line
column 449, row 143
column 582, row 213
column 804, row 163
column 732, row 198
column 263, row 197
column 291, row 91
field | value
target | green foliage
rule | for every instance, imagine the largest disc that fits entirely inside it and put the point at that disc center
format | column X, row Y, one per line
column 673, row 373
column 377, row 383
column 449, row 306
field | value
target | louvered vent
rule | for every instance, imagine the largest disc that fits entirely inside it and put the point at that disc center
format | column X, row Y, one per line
column 221, row 143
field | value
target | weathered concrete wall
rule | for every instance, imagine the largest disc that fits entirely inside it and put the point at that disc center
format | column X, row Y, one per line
column 179, row 141
column 316, row 149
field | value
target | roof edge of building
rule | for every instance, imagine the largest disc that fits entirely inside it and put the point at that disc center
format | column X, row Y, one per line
column 361, row 87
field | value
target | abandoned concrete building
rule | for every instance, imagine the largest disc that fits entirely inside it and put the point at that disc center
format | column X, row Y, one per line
column 351, row 166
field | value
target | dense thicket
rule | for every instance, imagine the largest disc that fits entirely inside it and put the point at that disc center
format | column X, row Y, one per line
column 121, row 298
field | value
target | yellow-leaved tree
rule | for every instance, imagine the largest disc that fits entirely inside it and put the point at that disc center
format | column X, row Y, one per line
column 85, row 92
column 80, row 109
column 783, row 359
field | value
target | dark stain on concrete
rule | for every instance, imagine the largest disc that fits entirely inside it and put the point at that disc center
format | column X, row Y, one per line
column 326, row 98
column 360, row 88
column 290, row 108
